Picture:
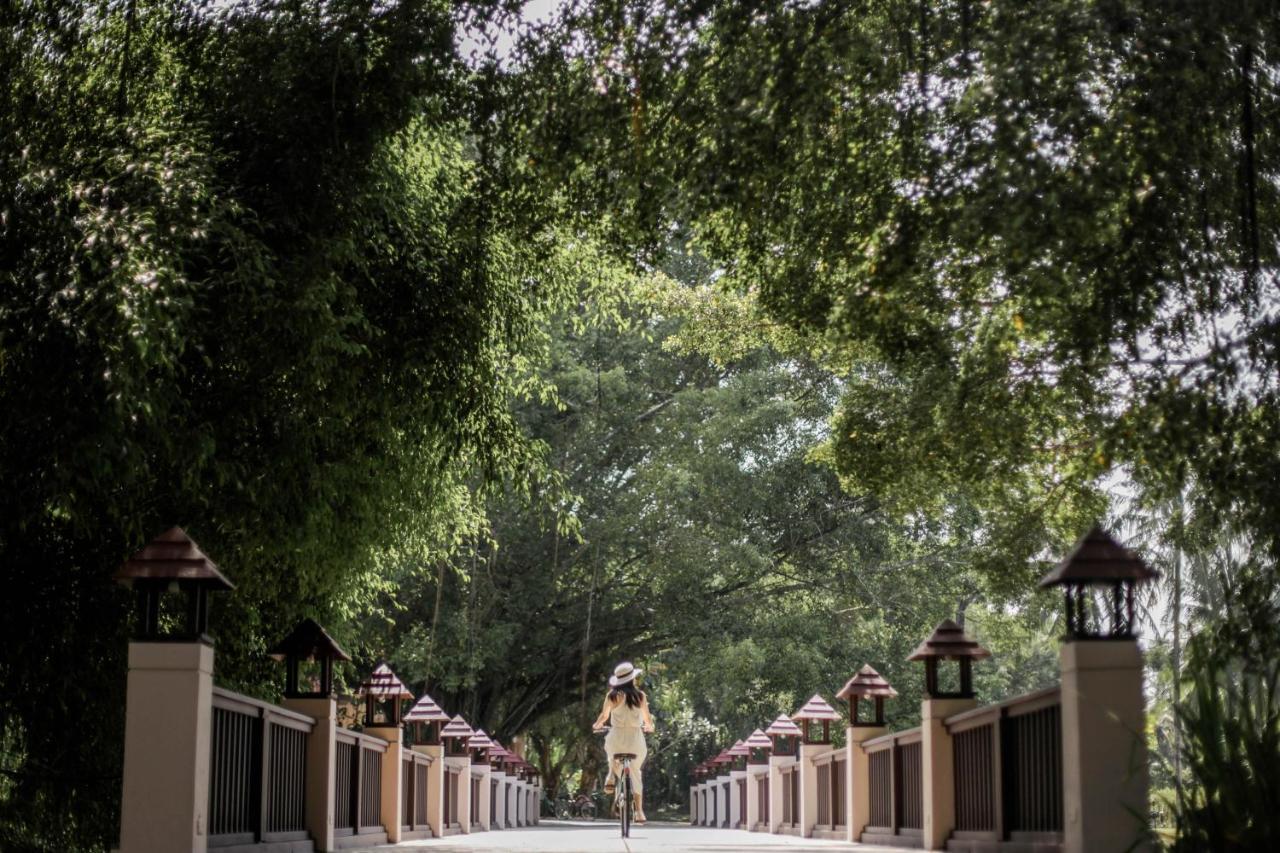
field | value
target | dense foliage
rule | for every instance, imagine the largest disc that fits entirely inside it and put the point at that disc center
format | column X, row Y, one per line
column 744, row 339
column 1041, row 237
column 258, row 277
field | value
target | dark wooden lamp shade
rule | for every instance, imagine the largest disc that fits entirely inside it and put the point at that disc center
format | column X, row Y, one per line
column 308, row 642
column 172, row 562
column 1098, row 560
column 865, row 685
column 949, row 642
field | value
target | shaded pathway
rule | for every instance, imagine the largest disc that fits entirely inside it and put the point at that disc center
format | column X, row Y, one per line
column 602, row 837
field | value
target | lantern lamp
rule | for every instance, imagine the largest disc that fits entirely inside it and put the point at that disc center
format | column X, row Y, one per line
column 426, row 717
column 172, row 563
column 1099, row 561
column 455, row 736
column 738, row 753
column 785, row 735
column 948, row 642
column 816, row 710
column 760, row 746
column 479, row 744
column 865, row 685
column 383, row 693
column 308, row 642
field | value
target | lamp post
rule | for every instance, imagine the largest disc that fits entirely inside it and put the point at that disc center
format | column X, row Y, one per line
column 169, row 698
column 866, row 684
column 758, row 745
column 948, row 642
column 1104, row 751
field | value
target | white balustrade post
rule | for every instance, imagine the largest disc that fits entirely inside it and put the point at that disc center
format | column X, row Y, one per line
column 167, row 731
column 1104, row 749
column 858, row 779
column 321, row 783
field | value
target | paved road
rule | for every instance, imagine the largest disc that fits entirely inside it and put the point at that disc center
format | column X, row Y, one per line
column 602, row 837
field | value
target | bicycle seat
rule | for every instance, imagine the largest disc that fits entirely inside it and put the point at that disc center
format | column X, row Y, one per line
column 624, row 756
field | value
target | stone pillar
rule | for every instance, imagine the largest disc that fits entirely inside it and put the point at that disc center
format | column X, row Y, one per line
column 499, row 801
column 481, row 772
column 808, row 777
column 435, row 788
column 755, row 772
column 320, row 772
column 736, row 815
column 1104, row 748
column 392, row 794
column 168, row 725
column 461, row 764
column 857, row 782
column 938, row 770
column 776, row 765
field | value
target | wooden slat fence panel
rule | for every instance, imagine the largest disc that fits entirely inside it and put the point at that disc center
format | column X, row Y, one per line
column 286, row 804
column 910, row 786
column 1031, row 748
column 370, row 789
column 762, row 798
column 233, row 784
column 880, row 767
column 838, row 816
column 824, row 795
column 344, row 789
column 257, row 770
column 974, row 780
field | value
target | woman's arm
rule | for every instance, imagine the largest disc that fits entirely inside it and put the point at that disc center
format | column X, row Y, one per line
column 604, row 714
column 645, row 715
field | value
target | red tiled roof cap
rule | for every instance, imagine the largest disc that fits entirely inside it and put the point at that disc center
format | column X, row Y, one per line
column 172, row 556
column 1098, row 558
column 758, row 740
column 384, row 683
column 457, row 728
column 783, row 726
column 425, row 710
column 816, row 709
column 737, row 750
column 479, row 740
column 867, row 682
column 949, row 642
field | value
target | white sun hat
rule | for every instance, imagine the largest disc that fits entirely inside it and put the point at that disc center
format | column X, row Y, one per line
column 622, row 673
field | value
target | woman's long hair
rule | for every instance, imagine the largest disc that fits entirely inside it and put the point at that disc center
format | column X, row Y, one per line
column 630, row 692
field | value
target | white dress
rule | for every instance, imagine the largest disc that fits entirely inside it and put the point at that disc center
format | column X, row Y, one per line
column 626, row 735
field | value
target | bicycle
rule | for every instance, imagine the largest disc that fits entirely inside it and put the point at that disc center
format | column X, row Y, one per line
column 623, row 790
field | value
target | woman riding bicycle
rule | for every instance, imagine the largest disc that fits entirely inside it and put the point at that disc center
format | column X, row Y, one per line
column 626, row 710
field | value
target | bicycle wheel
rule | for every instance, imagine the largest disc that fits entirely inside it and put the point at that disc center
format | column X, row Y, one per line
column 624, row 791
column 589, row 811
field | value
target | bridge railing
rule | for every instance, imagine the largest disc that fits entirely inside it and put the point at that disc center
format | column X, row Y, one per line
column 257, row 765
column 1008, row 769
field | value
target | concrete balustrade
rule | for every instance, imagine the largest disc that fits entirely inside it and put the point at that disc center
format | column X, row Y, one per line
column 1062, row 769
